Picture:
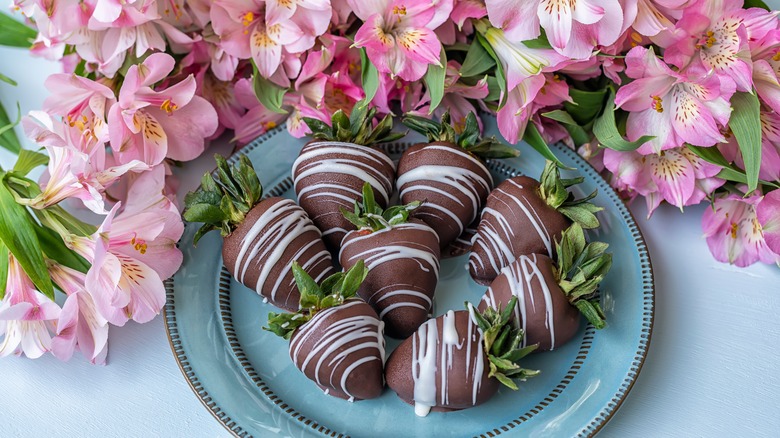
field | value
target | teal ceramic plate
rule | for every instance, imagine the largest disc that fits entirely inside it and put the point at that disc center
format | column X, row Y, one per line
column 245, row 377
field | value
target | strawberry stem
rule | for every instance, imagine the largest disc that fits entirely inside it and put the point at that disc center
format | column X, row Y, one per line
column 554, row 190
column 370, row 216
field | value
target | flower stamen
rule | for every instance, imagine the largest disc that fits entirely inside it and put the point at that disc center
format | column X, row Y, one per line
column 399, row 10
column 168, row 106
column 658, row 104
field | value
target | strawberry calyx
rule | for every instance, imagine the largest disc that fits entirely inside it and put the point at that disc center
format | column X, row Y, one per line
column 332, row 292
column 581, row 267
column 368, row 216
column 501, row 343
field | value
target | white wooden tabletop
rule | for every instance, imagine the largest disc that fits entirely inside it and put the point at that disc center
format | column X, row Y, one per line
column 713, row 368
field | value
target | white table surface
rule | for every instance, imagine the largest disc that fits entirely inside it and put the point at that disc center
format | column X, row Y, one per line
column 713, row 368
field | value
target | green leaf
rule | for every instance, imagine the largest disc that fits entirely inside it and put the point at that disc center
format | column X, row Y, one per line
column 29, row 160
column 3, row 268
column 55, row 249
column 745, row 123
column 369, row 76
column 577, row 132
column 755, row 4
column 202, row 212
column 8, row 80
column 534, row 138
column 506, row 381
column 500, row 74
column 434, row 80
column 306, row 284
column 582, row 216
column 18, row 234
column 14, row 33
column 353, row 278
column 494, row 89
column 541, row 42
column 606, row 131
column 710, row 155
column 592, row 311
column 8, row 137
column 269, row 94
column 586, row 105
column 477, row 61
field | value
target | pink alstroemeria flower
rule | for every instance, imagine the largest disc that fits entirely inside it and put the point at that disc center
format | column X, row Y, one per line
column 734, row 232
column 257, row 119
column 25, row 315
column 676, row 176
column 150, row 125
column 573, row 27
column 265, row 31
column 399, row 34
column 78, row 165
column 714, row 32
column 768, row 215
column 656, row 16
column 132, row 252
column 82, row 102
column 80, row 326
column 462, row 10
column 687, row 107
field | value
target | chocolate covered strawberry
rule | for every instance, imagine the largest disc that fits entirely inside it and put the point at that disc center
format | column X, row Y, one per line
column 332, row 168
column 336, row 340
column 402, row 255
column 448, row 173
column 458, row 360
column 551, row 296
column 262, row 237
column 523, row 216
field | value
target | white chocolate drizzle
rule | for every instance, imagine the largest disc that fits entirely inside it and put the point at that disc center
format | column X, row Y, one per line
column 460, row 179
column 350, row 159
column 427, row 347
column 495, row 237
column 520, row 275
column 331, row 350
column 281, row 224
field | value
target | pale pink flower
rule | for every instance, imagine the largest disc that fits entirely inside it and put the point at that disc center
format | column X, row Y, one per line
column 573, row 27
column 513, row 117
column 768, row 215
column 265, row 31
column 80, row 326
column 688, row 107
column 714, row 33
column 150, row 125
column 26, row 315
column 131, row 253
column 655, row 16
column 735, row 234
column 462, row 10
column 78, row 165
column 676, row 176
column 257, row 119
column 399, row 34
column 82, row 102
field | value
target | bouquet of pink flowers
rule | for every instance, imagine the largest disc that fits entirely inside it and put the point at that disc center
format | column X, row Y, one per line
column 674, row 100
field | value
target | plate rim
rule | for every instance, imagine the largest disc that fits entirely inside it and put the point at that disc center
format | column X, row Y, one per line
column 605, row 414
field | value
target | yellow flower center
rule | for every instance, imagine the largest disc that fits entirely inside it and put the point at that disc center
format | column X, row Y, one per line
column 168, row 106
column 247, row 19
column 776, row 57
column 710, row 39
column 269, row 125
column 399, row 10
column 636, row 39
column 657, row 104
column 139, row 245
column 733, row 230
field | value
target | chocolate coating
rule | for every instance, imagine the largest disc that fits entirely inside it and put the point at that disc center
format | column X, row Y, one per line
column 515, row 222
column 330, row 175
column 542, row 310
column 453, row 183
column 462, row 244
column 342, row 350
column 260, row 251
column 403, row 264
column 466, row 379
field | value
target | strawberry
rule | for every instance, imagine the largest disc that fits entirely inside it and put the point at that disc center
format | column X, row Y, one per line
column 458, row 360
column 403, row 260
column 262, row 237
column 552, row 296
column 332, row 168
column 449, row 173
column 336, row 340
column 523, row 216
